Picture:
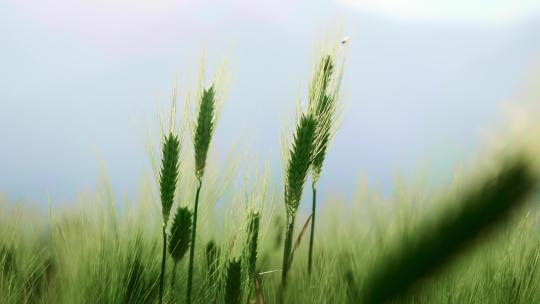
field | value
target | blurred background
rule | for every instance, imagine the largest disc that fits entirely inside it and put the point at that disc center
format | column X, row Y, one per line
column 424, row 82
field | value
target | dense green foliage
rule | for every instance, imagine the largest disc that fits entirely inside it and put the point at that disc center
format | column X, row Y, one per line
column 76, row 258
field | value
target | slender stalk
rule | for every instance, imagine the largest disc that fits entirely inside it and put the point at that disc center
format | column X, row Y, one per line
column 192, row 249
column 163, row 257
column 173, row 277
column 312, row 236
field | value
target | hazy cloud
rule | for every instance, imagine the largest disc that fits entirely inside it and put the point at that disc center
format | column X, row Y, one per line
column 476, row 11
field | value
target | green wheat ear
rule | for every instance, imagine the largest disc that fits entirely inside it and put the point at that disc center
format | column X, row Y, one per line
column 233, row 289
column 319, row 89
column 179, row 239
column 322, row 105
column 169, row 174
column 300, row 158
column 204, row 129
column 252, row 242
column 438, row 242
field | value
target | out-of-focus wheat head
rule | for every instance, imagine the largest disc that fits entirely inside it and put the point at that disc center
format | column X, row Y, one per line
column 179, row 238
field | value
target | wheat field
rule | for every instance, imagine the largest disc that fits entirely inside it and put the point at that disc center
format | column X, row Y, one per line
column 195, row 234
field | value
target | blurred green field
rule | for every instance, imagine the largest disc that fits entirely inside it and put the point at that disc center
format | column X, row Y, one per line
column 105, row 251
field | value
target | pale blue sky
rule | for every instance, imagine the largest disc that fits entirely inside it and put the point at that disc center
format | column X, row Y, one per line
column 423, row 80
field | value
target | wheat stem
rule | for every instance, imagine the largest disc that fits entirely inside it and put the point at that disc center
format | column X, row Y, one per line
column 163, row 257
column 312, row 236
column 173, row 277
column 192, row 248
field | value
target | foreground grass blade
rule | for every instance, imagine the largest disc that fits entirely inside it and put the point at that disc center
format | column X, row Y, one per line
column 8, row 263
column 438, row 242
column 167, row 186
column 140, row 284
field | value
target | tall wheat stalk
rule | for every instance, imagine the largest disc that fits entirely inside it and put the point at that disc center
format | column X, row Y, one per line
column 167, row 186
column 323, row 97
column 202, row 136
column 298, row 162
